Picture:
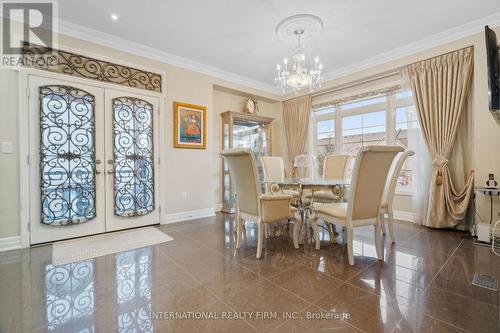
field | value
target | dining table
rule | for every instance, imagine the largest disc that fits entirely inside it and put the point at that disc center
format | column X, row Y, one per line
column 306, row 187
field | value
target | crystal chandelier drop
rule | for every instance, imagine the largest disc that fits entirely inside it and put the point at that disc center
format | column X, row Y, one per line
column 296, row 75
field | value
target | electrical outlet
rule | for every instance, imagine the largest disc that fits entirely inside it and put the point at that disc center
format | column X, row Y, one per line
column 7, row 147
column 184, row 196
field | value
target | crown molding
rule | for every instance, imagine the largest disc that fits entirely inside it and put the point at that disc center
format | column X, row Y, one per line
column 94, row 36
column 108, row 40
column 423, row 44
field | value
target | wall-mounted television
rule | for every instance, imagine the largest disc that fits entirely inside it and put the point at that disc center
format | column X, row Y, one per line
column 493, row 63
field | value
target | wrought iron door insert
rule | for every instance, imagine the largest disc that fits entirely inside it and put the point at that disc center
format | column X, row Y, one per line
column 67, row 155
column 133, row 156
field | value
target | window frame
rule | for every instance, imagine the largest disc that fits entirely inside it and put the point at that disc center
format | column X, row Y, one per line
column 398, row 103
column 313, row 132
column 389, row 106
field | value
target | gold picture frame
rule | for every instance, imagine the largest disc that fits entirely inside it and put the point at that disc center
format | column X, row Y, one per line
column 190, row 126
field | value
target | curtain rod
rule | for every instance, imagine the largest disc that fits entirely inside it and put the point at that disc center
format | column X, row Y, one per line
column 439, row 55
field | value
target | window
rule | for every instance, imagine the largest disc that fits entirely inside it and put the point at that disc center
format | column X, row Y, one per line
column 363, row 129
column 325, row 138
column 406, row 126
column 383, row 119
column 324, row 133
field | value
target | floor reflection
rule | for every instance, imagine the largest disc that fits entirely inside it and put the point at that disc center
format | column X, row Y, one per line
column 70, row 297
column 133, row 290
column 423, row 285
column 70, row 294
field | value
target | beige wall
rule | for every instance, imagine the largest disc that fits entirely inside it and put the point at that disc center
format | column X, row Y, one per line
column 9, row 163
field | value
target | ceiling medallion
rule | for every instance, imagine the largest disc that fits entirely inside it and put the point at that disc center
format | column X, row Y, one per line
column 295, row 75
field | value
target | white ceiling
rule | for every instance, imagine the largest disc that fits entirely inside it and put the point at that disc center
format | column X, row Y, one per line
column 238, row 37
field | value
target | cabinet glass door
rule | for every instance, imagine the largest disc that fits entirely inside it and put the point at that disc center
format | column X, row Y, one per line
column 239, row 132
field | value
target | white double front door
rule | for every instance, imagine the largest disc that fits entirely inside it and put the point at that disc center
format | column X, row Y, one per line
column 93, row 159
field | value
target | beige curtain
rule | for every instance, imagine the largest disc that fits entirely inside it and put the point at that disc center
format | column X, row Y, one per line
column 440, row 86
column 296, row 118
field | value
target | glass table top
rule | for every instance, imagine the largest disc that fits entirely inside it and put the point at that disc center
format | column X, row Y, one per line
column 307, row 181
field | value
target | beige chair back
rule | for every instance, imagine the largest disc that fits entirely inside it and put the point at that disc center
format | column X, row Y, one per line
column 368, row 180
column 335, row 166
column 245, row 177
column 273, row 167
column 392, row 180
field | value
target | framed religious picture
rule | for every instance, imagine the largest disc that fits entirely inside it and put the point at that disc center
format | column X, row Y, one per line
column 190, row 126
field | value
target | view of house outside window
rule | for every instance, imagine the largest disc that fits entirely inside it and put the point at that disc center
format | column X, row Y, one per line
column 346, row 127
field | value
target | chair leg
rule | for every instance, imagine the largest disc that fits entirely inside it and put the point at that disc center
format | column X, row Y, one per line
column 236, row 221
column 390, row 222
column 314, row 226
column 297, row 226
column 266, row 230
column 239, row 227
column 260, row 239
column 378, row 240
column 382, row 222
column 350, row 249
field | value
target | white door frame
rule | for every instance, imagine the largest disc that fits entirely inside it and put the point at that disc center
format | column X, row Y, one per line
column 25, row 139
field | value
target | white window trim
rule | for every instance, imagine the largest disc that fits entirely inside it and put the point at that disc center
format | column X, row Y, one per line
column 390, row 106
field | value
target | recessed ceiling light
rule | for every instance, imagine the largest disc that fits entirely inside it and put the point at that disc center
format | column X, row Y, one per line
column 114, row 17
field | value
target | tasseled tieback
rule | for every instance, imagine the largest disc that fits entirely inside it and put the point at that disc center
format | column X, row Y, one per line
column 439, row 162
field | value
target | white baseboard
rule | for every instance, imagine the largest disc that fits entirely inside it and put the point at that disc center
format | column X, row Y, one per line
column 189, row 215
column 10, row 243
column 403, row 216
column 218, row 207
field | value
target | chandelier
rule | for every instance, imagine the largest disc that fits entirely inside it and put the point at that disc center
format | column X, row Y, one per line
column 295, row 74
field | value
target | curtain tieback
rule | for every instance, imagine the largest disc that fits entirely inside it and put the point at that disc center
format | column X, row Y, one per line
column 440, row 163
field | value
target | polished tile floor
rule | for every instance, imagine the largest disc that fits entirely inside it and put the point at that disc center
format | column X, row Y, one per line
column 424, row 285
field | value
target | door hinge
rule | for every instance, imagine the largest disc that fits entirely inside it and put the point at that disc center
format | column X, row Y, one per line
column 159, row 161
column 28, row 92
column 29, row 227
column 28, row 159
column 159, row 209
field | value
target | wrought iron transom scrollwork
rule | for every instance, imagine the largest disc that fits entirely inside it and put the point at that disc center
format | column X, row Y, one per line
column 133, row 156
column 67, row 155
column 73, row 64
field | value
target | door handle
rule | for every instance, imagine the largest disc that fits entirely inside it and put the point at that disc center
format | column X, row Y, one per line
column 97, row 171
column 110, row 171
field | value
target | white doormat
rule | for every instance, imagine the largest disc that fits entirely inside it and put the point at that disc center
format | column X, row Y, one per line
column 73, row 250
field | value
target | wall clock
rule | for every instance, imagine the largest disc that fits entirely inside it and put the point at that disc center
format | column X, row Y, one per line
column 251, row 105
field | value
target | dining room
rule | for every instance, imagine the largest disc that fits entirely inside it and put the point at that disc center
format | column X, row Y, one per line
column 257, row 166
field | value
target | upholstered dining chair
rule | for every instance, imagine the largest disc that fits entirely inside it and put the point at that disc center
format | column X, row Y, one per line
column 274, row 169
column 334, row 167
column 252, row 204
column 363, row 207
column 390, row 188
